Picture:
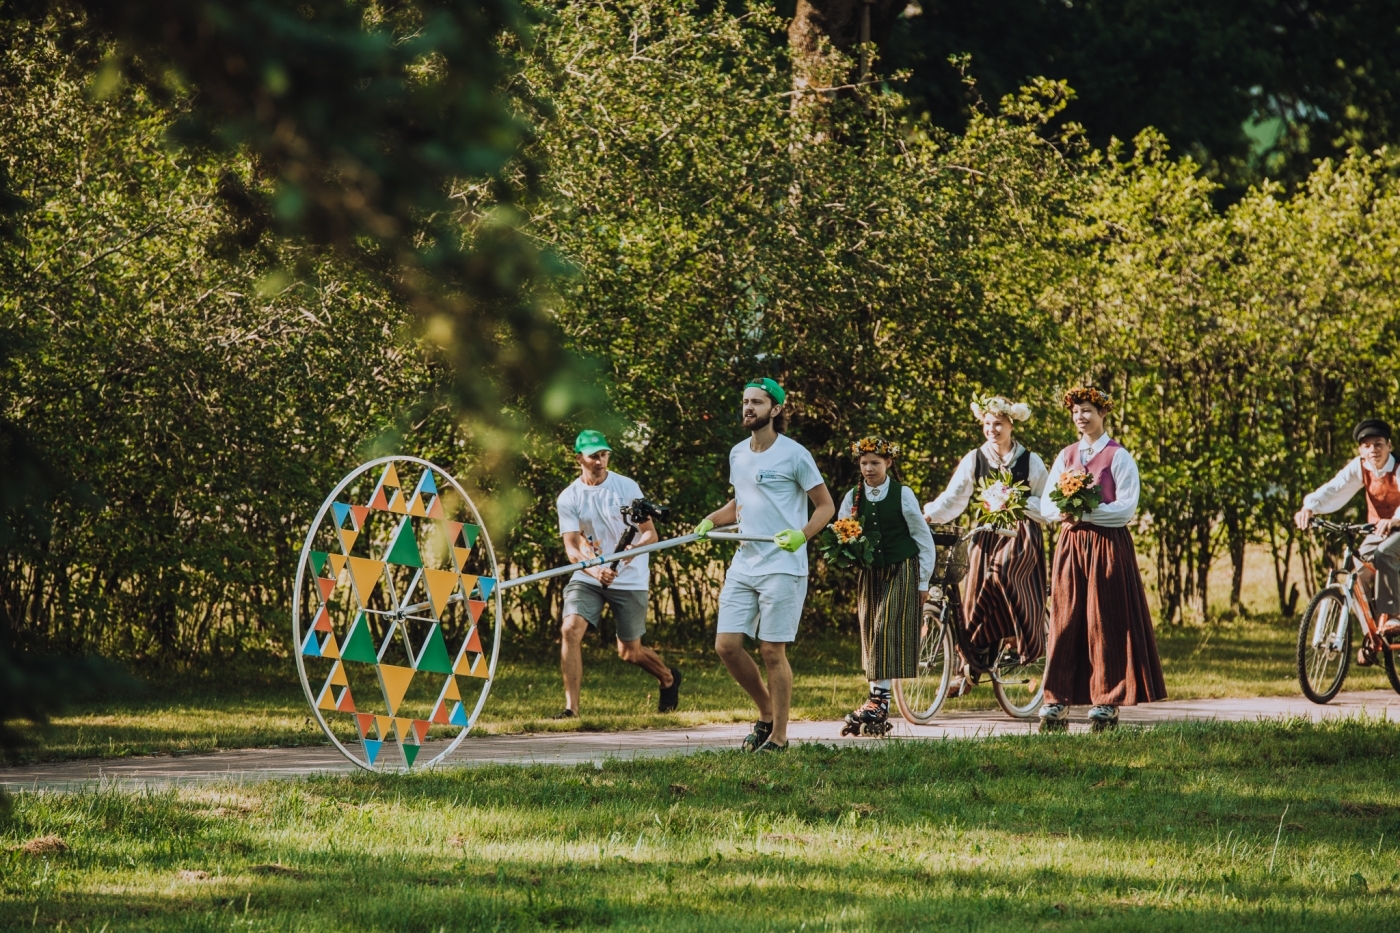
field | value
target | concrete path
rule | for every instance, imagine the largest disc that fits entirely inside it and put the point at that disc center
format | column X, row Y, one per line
column 258, row 764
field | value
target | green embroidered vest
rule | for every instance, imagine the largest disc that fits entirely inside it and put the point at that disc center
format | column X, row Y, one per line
column 884, row 525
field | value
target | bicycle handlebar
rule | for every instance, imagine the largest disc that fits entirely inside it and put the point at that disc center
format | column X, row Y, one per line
column 1341, row 528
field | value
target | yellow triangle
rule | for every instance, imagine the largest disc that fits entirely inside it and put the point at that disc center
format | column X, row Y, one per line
column 396, row 504
column 338, row 675
column 462, row 553
column 463, row 666
column 384, row 724
column 451, row 693
column 478, row 668
column 394, row 680
column 337, row 564
column 331, row 650
column 416, row 507
column 404, row 729
column 440, row 583
column 391, row 477
column 366, row 573
column 347, row 539
column 327, row 700
column 468, row 583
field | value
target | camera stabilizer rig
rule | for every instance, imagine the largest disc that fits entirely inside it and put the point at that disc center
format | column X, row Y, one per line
column 634, row 515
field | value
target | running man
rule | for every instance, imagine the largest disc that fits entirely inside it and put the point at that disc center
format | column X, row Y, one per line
column 590, row 520
column 773, row 478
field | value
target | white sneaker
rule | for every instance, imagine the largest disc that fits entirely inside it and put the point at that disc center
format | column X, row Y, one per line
column 1054, row 712
column 1103, row 717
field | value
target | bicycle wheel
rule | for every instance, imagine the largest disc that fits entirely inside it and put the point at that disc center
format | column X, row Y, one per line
column 1390, row 671
column 920, row 698
column 1322, row 665
column 1019, row 688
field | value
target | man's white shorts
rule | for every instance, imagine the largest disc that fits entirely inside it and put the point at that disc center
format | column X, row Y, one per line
column 767, row 608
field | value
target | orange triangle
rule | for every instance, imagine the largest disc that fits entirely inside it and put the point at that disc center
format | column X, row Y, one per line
column 337, row 563
column 451, row 693
column 441, row 715
column 380, row 501
column 473, row 643
column 394, row 680
column 416, row 507
column 330, row 649
column 323, row 621
column 384, row 724
column 327, row 700
column 420, row 729
column 391, row 476
column 338, row 675
column 360, row 512
column 327, row 587
column 364, row 721
column 396, row 504
column 346, row 704
column 475, row 605
column 440, row 584
column 347, row 539
column 435, row 509
column 366, row 573
column 454, row 530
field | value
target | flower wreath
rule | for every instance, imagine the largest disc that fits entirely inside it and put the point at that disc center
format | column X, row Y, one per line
column 1081, row 395
column 874, row 444
column 999, row 405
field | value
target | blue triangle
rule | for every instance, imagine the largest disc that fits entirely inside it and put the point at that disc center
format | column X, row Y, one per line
column 341, row 510
column 372, row 750
column 428, row 483
column 486, row 584
column 311, row 647
column 459, row 715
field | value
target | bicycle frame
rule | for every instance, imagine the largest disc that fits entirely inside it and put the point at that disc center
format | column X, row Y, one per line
column 1357, row 603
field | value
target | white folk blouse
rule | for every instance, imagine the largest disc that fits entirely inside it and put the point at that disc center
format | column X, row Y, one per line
column 1126, row 481
column 1337, row 491
column 953, row 501
column 909, row 507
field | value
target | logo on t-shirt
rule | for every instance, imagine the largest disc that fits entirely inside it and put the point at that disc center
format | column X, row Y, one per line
column 767, row 476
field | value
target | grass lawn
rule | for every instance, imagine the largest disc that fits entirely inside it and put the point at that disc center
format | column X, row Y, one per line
column 1195, row 827
column 261, row 704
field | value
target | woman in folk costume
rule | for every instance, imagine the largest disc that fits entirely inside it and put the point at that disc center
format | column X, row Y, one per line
column 1005, row 593
column 893, row 589
column 1102, row 649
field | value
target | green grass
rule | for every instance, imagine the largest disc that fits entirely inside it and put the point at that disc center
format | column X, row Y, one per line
column 1195, row 827
column 261, row 704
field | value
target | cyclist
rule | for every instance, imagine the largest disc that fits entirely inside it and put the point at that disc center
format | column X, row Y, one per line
column 1005, row 595
column 1372, row 470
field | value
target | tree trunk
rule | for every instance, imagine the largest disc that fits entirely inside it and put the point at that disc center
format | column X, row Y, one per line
column 844, row 24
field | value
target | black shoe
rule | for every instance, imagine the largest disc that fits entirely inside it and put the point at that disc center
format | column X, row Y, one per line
column 564, row 714
column 759, row 735
column 670, row 696
column 769, row 746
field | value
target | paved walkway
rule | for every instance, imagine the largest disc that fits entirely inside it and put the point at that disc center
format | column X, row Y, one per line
column 257, row 764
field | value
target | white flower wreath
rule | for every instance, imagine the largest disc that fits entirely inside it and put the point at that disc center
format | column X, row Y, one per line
column 999, row 405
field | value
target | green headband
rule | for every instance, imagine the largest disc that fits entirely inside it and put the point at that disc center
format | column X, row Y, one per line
column 774, row 390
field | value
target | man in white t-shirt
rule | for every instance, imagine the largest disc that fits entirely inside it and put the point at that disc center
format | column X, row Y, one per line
column 773, row 477
column 591, row 522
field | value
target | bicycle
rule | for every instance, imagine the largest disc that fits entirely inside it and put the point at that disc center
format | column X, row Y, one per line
column 1324, row 635
column 1017, row 683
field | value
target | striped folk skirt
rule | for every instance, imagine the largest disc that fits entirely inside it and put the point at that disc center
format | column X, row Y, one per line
column 1005, row 593
column 1102, row 649
column 889, row 620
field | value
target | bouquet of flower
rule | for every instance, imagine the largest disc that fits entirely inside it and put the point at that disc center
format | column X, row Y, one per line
column 1001, row 500
column 1076, row 493
column 843, row 543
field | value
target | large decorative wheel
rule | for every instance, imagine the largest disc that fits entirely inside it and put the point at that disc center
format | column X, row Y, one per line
column 396, row 614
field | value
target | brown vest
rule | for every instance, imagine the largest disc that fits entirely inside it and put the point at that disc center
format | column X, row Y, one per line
column 1382, row 494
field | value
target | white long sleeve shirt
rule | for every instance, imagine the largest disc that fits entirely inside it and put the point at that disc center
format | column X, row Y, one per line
column 953, row 501
column 1126, row 481
column 909, row 507
column 1337, row 492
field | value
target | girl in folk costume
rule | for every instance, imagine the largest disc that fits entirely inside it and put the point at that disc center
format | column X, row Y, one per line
column 1005, row 597
column 1102, row 649
column 893, row 589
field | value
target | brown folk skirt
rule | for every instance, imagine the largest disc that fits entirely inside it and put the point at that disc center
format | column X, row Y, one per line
column 1005, row 592
column 889, row 620
column 1102, row 649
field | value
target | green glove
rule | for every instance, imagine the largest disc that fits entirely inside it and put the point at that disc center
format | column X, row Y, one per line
column 703, row 528
column 790, row 540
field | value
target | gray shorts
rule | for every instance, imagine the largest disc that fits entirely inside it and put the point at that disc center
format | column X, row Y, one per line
column 766, row 608
column 629, row 607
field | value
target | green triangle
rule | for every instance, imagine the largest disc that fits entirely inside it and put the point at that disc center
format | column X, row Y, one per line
column 405, row 549
column 358, row 644
column 471, row 531
column 410, row 752
column 318, row 560
column 434, row 657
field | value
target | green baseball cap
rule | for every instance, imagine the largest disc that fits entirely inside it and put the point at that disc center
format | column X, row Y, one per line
column 774, row 390
column 590, row 442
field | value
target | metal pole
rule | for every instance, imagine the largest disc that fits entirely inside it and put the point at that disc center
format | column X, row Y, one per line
column 595, row 561
column 735, row 536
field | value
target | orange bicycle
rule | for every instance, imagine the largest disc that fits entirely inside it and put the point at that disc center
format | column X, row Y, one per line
column 1324, row 635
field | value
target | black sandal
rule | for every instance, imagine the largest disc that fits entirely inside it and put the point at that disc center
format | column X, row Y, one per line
column 771, row 746
column 755, row 739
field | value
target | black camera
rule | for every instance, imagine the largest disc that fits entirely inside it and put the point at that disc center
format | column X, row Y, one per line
column 643, row 511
